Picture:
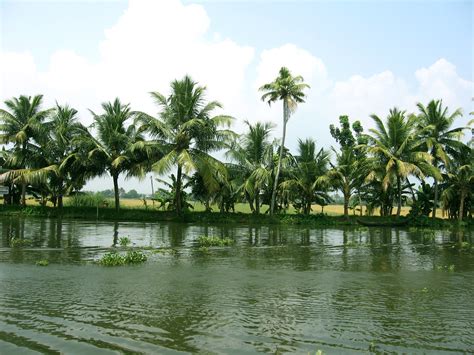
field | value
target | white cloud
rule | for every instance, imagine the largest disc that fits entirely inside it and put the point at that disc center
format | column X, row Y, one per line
column 359, row 97
column 441, row 81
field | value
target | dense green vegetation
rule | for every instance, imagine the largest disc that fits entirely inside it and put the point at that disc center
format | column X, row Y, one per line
column 416, row 159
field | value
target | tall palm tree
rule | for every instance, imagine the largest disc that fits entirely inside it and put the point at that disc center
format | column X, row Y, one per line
column 310, row 166
column 289, row 89
column 399, row 152
column 186, row 134
column 254, row 155
column 21, row 125
column 435, row 129
column 114, row 147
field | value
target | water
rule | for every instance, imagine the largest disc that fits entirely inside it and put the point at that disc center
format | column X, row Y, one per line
column 278, row 290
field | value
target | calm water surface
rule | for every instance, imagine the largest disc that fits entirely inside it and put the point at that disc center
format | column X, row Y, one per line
column 278, row 290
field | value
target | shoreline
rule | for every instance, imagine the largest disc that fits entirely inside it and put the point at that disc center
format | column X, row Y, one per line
column 144, row 215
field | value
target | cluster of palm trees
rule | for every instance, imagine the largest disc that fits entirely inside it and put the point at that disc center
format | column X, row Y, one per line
column 51, row 154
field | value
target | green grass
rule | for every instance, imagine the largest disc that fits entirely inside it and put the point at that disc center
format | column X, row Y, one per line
column 151, row 215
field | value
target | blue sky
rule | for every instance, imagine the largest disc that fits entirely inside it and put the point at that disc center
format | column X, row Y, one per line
column 360, row 37
column 360, row 57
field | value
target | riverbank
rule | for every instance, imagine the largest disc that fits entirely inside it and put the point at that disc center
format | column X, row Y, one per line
column 150, row 215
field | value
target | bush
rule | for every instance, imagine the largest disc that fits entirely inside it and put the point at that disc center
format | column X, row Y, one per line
column 205, row 241
column 87, row 200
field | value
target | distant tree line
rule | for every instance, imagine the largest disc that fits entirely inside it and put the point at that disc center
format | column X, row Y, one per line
column 417, row 157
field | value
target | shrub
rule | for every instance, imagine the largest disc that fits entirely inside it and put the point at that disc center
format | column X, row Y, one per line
column 205, row 241
column 87, row 200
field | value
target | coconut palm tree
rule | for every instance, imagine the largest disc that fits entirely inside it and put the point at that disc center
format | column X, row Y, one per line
column 460, row 183
column 53, row 162
column 434, row 124
column 304, row 177
column 254, row 155
column 347, row 175
column 20, row 125
column 398, row 152
column 288, row 89
column 114, row 149
column 186, row 133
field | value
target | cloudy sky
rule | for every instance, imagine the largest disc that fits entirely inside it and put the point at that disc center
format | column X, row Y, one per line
column 360, row 57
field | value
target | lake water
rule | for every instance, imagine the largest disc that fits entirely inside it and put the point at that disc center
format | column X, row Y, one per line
column 278, row 290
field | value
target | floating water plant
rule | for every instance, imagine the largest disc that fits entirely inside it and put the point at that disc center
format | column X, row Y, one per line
column 205, row 241
column 446, row 267
column 42, row 262
column 116, row 259
column 19, row 243
column 135, row 257
column 124, row 241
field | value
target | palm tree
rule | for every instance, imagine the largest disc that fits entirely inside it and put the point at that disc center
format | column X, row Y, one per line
column 435, row 128
column 460, row 183
column 54, row 157
column 309, row 167
column 115, row 146
column 288, row 89
column 254, row 155
column 347, row 175
column 21, row 125
column 186, row 133
column 398, row 151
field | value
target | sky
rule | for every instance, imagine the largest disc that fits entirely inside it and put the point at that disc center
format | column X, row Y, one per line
column 359, row 57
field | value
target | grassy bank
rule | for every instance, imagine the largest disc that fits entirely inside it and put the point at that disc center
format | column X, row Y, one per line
column 150, row 215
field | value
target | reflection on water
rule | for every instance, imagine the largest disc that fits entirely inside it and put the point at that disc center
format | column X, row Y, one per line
column 279, row 289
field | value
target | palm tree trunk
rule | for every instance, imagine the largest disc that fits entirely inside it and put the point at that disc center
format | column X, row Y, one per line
column 60, row 195
column 257, row 201
column 250, row 201
column 461, row 205
column 347, row 197
column 360, row 204
column 116, row 192
column 346, row 205
column 178, row 190
column 435, row 201
column 399, row 206
column 23, row 193
column 275, row 185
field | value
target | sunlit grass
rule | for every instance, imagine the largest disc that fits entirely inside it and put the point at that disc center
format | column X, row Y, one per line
column 330, row 210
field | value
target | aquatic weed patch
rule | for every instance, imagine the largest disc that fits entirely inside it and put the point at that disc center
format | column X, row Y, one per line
column 205, row 241
column 124, row 241
column 19, row 243
column 115, row 259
